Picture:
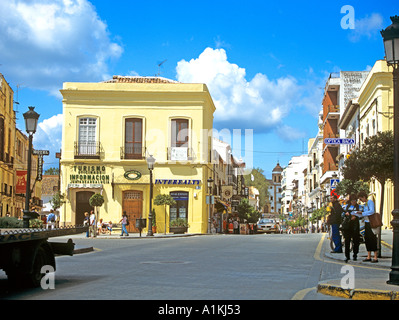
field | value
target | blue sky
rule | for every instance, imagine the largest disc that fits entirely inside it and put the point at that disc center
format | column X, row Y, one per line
column 265, row 63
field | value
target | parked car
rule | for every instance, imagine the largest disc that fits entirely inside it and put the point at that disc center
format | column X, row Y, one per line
column 267, row 226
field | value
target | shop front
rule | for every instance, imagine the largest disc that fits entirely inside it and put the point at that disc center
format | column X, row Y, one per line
column 127, row 189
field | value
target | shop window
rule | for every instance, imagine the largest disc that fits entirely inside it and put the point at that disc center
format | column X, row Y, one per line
column 133, row 138
column 180, row 209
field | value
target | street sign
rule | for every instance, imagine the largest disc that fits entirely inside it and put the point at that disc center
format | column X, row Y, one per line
column 333, row 183
column 41, row 152
column 339, row 141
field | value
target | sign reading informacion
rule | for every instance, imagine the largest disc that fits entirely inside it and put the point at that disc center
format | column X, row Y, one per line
column 339, row 141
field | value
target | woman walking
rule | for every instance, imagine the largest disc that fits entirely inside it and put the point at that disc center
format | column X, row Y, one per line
column 124, row 222
column 370, row 237
column 351, row 228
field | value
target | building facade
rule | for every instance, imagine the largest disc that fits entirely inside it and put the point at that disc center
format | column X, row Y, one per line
column 111, row 128
column 14, row 145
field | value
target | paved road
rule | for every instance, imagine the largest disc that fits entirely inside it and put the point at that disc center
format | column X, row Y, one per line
column 219, row 267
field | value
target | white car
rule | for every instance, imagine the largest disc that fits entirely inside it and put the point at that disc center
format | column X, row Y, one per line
column 267, row 226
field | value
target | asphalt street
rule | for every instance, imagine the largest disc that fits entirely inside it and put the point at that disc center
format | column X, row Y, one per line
column 198, row 267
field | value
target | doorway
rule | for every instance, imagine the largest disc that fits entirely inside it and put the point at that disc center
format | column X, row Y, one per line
column 82, row 205
column 133, row 205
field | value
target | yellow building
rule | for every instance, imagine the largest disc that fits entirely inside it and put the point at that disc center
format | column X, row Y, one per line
column 13, row 159
column 110, row 128
column 375, row 115
column 7, row 136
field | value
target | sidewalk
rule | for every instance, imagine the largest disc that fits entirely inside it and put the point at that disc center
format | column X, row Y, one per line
column 366, row 287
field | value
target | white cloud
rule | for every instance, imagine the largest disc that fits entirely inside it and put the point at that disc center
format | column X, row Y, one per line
column 48, row 135
column 260, row 103
column 46, row 42
column 366, row 27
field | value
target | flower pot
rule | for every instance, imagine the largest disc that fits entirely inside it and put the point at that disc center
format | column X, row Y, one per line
column 154, row 229
column 178, row 230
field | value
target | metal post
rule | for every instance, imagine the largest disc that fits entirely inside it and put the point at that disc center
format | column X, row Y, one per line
column 149, row 233
column 27, row 216
column 394, row 274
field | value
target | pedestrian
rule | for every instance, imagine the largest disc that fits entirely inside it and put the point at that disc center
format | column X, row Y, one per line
column 370, row 237
column 86, row 222
column 51, row 220
column 334, row 220
column 92, row 225
column 124, row 222
column 351, row 228
column 236, row 226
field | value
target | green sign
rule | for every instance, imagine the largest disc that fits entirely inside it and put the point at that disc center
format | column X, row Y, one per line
column 132, row 175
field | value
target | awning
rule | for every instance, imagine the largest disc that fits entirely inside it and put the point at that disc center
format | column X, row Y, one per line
column 225, row 205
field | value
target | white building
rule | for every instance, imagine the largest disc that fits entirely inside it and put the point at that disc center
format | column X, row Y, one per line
column 292, row 182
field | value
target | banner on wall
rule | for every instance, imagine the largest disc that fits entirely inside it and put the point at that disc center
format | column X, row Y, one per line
column 21, row 181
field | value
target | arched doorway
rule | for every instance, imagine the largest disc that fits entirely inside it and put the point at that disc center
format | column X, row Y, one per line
column 82, row 205
column 133, row 205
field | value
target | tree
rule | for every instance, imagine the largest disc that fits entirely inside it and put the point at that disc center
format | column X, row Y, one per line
column 164, row 200
column 96, row 200
column 348, row 187
column 259, row 182
column 373, row 160
column 52, row 171
column 57, row 200
column 247, row 212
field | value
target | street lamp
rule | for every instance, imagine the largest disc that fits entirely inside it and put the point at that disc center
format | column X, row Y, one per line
column 150, row 164
column 209, row 181
column 391, row 43
column 31, row 117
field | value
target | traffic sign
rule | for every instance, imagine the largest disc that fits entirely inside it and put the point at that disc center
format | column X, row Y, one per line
column 333, row 183
column 339, row 141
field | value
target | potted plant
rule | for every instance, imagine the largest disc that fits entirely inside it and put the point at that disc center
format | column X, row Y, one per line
column 178, row 225
column 154, row 222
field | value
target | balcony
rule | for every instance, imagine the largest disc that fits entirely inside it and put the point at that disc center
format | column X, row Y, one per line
column 180, row 154
column 87, row 150
column 331, row 112
column 132, row 153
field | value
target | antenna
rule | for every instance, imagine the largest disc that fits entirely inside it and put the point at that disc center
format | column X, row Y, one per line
column 159, row 67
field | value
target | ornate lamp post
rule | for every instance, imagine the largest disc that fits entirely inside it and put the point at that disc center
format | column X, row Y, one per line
column 391, row 44
column 150, row 163
column 31, row 117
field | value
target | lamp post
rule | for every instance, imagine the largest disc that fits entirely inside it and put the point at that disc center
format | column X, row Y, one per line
column 209, row 181
column 31, row 117
column 391, row 43
column 150, row 163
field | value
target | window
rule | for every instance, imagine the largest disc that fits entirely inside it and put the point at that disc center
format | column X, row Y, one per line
column 179, row 210
column 179, row 133
column 87, row 136
column 133, row 138
column 179, row 140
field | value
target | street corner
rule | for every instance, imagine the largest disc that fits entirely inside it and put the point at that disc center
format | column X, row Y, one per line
column 336, row 290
